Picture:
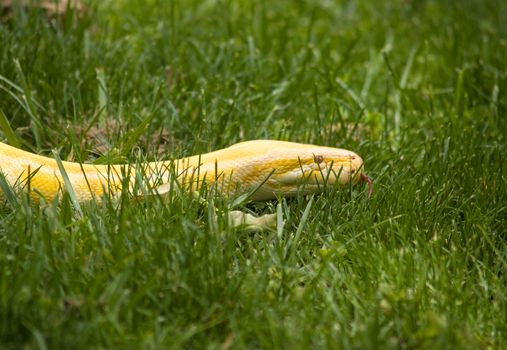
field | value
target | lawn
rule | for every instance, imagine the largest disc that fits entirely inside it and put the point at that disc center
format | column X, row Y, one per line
column 417, row 88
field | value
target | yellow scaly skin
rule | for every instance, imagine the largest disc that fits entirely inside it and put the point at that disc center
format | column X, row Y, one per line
column 234, row 170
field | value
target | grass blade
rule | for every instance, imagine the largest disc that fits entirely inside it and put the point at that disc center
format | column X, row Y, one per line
column 68, row 184
column 301, row 226
column 8, row 132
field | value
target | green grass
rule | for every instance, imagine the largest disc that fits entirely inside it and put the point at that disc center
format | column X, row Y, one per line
column 418, row 88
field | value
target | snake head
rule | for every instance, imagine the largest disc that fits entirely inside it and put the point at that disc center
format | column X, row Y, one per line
column 309, row 170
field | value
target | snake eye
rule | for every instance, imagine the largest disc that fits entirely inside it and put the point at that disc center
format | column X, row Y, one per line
column 318, row 159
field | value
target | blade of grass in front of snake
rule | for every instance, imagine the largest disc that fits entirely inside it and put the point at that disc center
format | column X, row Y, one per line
column 245, row 197
column 8, row 192
column 68, row 184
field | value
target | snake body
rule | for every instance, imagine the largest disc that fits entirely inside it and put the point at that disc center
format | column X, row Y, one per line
column 273, row 168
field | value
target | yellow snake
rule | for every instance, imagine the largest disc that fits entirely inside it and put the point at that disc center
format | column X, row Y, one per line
column 272, row 168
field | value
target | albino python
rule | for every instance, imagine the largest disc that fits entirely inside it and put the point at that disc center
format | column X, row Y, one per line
column 271, row 168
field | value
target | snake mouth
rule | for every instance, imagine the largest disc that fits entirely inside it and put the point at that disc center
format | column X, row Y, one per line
column 369, row 181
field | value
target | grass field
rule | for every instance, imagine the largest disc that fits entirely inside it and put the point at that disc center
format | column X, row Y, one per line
column 417, row 88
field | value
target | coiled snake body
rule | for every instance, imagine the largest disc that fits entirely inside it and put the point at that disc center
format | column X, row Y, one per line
column 273, row 168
